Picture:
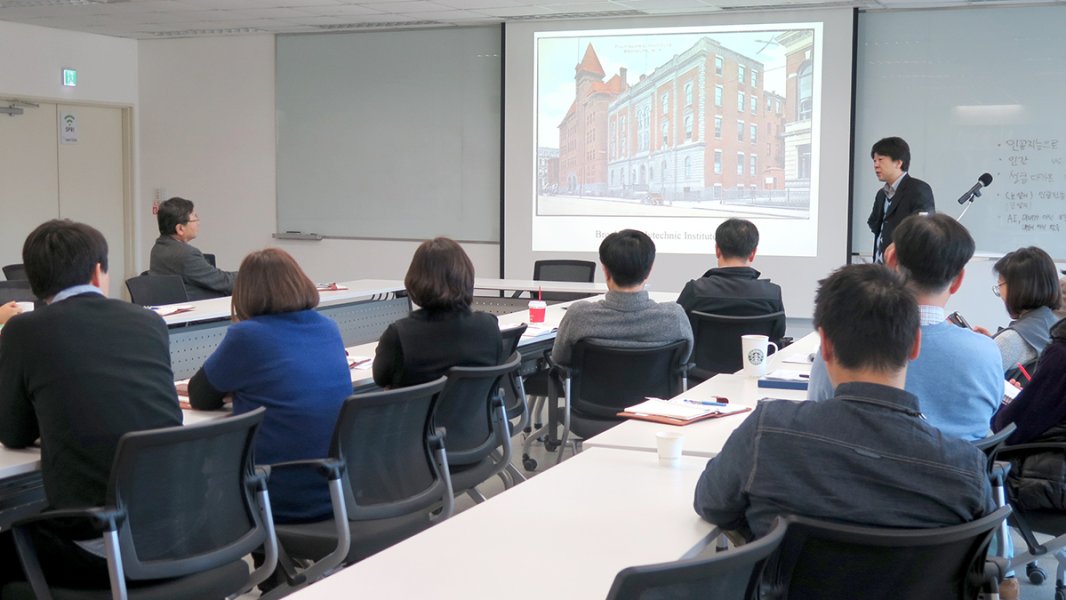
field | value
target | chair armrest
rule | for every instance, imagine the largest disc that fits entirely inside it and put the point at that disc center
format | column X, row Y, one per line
column 329, row 468
column 997, row 472
column 101, row 519
column 436, row 439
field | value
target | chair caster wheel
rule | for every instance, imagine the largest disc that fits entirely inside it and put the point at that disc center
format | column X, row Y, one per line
column 529, row 464
column 550, row 446
column 1035, row 574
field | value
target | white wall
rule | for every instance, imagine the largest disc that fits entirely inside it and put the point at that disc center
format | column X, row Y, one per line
column 32, row 60
column 209, row 136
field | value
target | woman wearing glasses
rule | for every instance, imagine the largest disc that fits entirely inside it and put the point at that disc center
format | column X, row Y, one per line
column 1029, row 287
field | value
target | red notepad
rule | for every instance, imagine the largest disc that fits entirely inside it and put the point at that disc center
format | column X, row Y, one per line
column 677, row 412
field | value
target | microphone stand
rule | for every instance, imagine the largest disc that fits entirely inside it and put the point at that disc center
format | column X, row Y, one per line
column 969, row 203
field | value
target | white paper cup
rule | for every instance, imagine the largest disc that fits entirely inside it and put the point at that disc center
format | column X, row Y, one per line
column 754, row 349
column 537, row 309
column 669, row 444
column 25, row 306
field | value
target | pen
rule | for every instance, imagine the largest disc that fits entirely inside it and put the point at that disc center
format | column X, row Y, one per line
column 1024, row 372
column 706, row 402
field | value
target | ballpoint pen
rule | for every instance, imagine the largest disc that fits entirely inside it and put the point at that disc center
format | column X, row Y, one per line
column 706, row 402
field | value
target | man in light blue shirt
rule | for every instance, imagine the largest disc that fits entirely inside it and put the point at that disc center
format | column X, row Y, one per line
column 957, row 378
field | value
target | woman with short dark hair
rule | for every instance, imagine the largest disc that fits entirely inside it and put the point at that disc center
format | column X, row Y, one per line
column 1029, row 286
column 444, row 332
column 283, row 355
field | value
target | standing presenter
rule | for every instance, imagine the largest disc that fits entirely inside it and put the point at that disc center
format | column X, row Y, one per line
column 901, row 196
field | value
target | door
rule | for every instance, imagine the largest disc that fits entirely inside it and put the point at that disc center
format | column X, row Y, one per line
column 29, row 186
column 92, row 181
column 86, row 180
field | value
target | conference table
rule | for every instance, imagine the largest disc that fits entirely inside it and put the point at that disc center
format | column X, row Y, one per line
column 706, row 438
column 596, row 513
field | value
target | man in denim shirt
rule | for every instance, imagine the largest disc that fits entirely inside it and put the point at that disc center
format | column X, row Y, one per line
column 865, row 456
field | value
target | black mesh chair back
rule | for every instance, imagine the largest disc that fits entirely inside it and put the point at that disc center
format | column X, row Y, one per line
column 514, row 393
column 381, row 437
column 17, row 290
column 578, row 271
column 188, row 497
column 14, row 272
column 730, row 575
column 830, row 561
column 210, row 258
column 717, row 346
column 156, row 290
column 470, row 410
column 387, row 474
column 606, row 379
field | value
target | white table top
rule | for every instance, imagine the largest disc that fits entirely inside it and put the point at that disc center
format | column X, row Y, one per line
column 219, row 308
column 25, row 460
column 706, row 438
column 596, row 513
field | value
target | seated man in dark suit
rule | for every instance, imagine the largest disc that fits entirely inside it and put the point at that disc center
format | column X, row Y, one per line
column 173, row 255
column 78, row 373
column 865, row 456
column 734, row 288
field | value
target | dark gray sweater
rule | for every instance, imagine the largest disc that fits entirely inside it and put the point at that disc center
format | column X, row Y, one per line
column 624, row 319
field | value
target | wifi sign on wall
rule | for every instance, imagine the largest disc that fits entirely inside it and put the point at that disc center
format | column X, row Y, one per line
column 68, row 128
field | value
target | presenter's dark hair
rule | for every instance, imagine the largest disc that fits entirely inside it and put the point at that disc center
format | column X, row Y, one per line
column 441, row 276
column 736, row 238
column 628, row 256
column 270, row 282
column 894, row 148
column 932, row 250
column 1031, row 279
column 60, row 254
column 173, row 212
column 868, row 315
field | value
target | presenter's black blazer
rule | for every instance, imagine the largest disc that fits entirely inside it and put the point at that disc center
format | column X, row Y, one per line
column 912, row 196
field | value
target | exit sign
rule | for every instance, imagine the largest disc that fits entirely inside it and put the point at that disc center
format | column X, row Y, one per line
column 70, row 77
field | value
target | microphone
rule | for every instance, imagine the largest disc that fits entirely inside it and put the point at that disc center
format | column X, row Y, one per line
column 975, row 192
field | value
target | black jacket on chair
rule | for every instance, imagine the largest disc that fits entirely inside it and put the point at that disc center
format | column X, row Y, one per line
column 912, row 196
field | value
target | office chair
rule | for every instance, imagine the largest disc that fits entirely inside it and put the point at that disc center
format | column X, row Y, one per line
column 15, row 272
column 1012, row 462
column 991, row 443
column 830, row 561
column 184, row 506
column 717, row 347
column 604, row 379
column 578, row 271
column 210, row 258
column 387, row 474
column 730, row 575
column 17, row 290
column 471, row 410
column 156, row 290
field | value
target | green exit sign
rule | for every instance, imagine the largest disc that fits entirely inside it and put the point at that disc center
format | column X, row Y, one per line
column 70, row 77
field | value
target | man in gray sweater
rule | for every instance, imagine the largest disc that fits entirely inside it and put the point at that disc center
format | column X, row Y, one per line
column 626, row 317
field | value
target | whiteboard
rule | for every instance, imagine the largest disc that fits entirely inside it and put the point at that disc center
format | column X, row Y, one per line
column 390, row 135
column 972, row 91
